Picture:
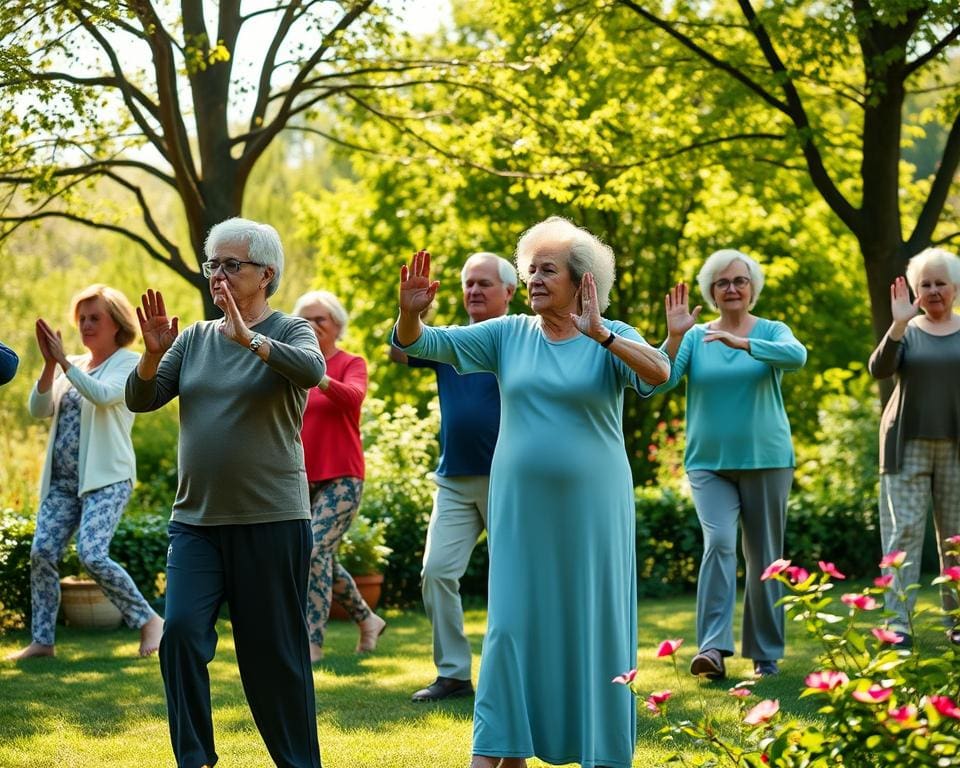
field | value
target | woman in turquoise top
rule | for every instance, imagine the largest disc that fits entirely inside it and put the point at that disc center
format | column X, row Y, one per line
column 562, row 589
column 739, row 456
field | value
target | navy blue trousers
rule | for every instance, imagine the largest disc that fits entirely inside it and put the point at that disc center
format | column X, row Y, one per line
column 260, row 572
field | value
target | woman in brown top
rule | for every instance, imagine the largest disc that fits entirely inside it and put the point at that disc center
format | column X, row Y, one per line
column 920, row 428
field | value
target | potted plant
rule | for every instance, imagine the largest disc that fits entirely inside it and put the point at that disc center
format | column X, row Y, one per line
column 364, row 555
column 82, row 600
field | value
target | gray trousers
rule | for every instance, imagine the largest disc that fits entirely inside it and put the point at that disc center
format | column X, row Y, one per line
column 755, row 501
column 930, row 471
column 459, row 516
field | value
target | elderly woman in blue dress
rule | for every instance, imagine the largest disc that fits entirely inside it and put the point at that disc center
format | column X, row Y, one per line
column 920, row 428
column 90, row 466
column 561, row 514
column 739, row 456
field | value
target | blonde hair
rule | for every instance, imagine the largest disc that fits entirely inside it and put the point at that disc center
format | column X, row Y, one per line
column 717, row 262
column 117, row 305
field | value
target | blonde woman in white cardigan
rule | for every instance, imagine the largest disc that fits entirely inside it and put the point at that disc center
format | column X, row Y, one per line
column 90, row 465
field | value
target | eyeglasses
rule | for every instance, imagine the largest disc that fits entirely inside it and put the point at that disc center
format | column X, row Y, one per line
column 230, row 266
column 737, row 282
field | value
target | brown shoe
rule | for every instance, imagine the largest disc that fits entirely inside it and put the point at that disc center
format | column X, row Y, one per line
column 709, row 663
column 444, row 688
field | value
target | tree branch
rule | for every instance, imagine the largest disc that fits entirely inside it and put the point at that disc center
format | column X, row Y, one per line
column 939, row 190
column 935, row 50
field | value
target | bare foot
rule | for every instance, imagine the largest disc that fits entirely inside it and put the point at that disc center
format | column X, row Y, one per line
column 370, row 630
column 34, row 650
column 150, row 634
column 316, row 653
column 483, row 761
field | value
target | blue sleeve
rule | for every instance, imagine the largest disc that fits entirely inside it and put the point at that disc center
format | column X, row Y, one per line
column 8, row 363
column 627, row 376
column 781, row 350
column 678, row 366
column 468, row 348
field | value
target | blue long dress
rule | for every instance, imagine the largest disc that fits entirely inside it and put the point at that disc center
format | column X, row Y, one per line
column 562, row 593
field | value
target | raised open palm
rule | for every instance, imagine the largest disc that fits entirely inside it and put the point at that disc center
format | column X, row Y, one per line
column 159, row 331
column 589, row 321
column 901, row 308
column 416, row 289
column 679, row 317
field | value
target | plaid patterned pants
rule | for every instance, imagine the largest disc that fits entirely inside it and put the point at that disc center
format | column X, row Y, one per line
column 930, row 471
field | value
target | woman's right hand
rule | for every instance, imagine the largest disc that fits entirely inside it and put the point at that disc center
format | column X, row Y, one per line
column 901, row 308
column 679, row 317
column 48, row 358
column 416, row 289
column 159, row 331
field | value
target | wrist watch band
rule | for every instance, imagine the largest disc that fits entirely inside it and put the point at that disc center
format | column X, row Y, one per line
column 609, row 340
column 256, row 342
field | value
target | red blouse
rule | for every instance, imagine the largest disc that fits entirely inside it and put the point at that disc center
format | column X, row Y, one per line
column 331, row 423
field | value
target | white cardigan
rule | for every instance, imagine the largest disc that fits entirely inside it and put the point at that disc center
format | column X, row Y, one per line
column 106, row 449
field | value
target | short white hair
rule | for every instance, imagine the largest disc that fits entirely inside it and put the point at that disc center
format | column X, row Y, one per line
column 329, row 302
column 717, row 262
column 506, row 270
column 585, row 253
column 937, row 257
column 262, row 241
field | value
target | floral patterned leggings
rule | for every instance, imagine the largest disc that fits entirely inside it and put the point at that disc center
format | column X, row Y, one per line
column 94, row 517
column 334, row 504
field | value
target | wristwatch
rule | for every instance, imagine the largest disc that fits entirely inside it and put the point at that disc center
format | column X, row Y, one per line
column 256, row 342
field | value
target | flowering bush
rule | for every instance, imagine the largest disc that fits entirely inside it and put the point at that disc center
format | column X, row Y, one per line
column 882, row 703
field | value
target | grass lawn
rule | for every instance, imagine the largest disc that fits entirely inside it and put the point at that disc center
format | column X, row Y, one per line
column 97, row 705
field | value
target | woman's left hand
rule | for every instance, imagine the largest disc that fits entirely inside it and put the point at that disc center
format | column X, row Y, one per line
column 589, row 322
column 54, row 342
column 232, row 325
column 734, row 342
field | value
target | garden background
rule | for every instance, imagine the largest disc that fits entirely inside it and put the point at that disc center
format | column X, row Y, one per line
column 823, row 139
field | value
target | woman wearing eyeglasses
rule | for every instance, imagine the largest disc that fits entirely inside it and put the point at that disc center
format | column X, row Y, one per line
column 240, row 529
column 334, row 459
column 739, row 456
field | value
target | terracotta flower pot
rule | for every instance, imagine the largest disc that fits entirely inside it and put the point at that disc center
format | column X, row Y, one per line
column 85, row 605
column 369, row 587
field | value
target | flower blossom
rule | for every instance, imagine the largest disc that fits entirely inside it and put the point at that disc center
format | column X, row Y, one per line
column 905, row 714
column 952, row 573
column 875, row 694
column 831, row 570
column 953, row 539
column 797, row 574
column 883, row 581
column 669, row 647
column 826, row 680
column 762, row 712
column 885, row 635
column 863, row 602
column 894, row 559
column 740, row 693
column 655, row 699
column 777, row 566
column 626, row 678
column 946, row 706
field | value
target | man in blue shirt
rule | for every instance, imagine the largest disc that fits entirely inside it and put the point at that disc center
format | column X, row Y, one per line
column 469, row 422
column 8, row 363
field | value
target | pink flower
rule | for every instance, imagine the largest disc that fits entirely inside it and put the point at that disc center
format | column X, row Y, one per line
column 863, row 602
column 797, row 574
column 905, row 714
column 883, row 581
column 826, row 680
column 893, row 559
column 946, row 706
column 831, row 570
column 886, row 636
column 953, row 539
column 740, row 693
column 952, row 573
column 762, row 712
column 654, row 700
column 669, row 647
column 873, row 695
column 626, row 678
column 777, row 566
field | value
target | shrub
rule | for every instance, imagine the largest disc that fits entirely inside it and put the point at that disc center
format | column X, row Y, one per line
column 669, row 542
column 362, row 549
column 16, row 534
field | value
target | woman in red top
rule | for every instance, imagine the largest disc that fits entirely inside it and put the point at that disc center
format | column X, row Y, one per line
column 333, row 455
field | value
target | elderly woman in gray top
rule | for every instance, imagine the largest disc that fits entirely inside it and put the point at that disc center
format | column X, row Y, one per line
column 920, row 428
column 240, row 530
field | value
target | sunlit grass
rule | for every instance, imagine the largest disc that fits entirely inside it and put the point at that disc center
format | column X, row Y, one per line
column 97, row 705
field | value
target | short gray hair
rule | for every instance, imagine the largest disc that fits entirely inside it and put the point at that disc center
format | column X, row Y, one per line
column 262, row 241
column 717, row 262
column 585, row 253
column 506, row 270
column 935, row 257
column 329, row 302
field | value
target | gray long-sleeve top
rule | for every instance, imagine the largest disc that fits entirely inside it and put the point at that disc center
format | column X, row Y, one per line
column 240, row 456
column 926, row 399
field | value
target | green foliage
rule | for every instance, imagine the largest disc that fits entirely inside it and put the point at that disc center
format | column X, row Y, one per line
column 16, row 534
column 669, row 542
column 362, row 549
